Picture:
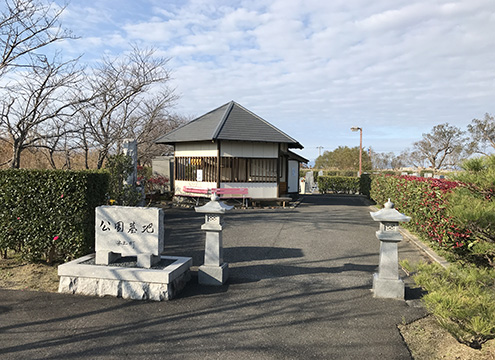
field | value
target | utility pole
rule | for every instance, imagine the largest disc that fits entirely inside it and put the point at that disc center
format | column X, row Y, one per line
column 356, row 128
column 319, row 150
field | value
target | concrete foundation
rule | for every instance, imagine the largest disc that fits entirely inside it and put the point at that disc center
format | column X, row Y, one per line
column 213, row 274
column 81, row 277
column 388, row 288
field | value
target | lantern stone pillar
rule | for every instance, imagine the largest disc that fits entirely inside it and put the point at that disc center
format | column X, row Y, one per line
column 386, row 282
column 214, row 271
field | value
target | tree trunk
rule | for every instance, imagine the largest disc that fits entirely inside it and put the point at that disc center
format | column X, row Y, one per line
column 101, row 158
column 51, row 160
column 16, row 155
column 68, row 163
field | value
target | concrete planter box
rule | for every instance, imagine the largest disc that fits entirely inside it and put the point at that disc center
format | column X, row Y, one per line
column 82, row 277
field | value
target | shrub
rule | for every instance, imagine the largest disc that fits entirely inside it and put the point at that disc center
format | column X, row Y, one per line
column 348, row 173
column 144, row 172
column 120, row 167
column 315, row 176
column 462, row 299
column 338, row 184
column 425, row 200
column 156, row 184
column 49, row 214
column 365, row 185
column 474, row 205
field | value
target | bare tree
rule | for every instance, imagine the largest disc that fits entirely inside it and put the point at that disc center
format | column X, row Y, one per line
column 383, row 161
column 443, row 147
column 32, row 107
column 158, row 125
column 119, row 89
column 62, row 142
column 412, row 157
column 26, row 26
column 482, row 135
column 397, row 162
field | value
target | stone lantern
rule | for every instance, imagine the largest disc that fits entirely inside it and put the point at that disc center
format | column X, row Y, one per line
column 386, row 283
column 214, row 271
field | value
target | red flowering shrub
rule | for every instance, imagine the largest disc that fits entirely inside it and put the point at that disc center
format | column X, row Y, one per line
column 425, row 200
column 156, row 184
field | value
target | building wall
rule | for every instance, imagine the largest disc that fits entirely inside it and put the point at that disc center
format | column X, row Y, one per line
column 249, row 149
column 164, row 166
column 206, row 148
column 229, row 149
column 256, row 190
column 235, row 149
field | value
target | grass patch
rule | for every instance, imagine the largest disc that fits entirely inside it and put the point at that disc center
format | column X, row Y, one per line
column 462, row 298
column 18, row 274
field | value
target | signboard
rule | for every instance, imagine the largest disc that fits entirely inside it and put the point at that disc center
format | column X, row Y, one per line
column 129, row 230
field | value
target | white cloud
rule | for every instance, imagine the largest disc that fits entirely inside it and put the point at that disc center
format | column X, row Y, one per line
column 314, row 68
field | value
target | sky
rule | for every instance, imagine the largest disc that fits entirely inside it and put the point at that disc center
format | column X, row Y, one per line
column 312, row 68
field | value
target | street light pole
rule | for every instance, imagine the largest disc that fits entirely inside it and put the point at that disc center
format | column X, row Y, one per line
column 355, row 128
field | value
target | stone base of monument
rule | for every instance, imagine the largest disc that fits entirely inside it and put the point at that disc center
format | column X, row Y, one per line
column 124, row 279
column 388, row 288
column 213, row 274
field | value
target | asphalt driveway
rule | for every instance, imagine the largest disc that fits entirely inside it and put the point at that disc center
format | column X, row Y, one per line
column 299, row 288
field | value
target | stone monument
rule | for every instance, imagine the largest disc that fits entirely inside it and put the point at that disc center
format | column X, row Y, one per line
column 310, row 181
column 214, row 271
column 128, row 261
column 129, row 231
column 386, row 283
column 129, row 148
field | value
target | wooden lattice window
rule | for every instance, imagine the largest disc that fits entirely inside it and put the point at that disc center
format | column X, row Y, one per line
column 248, row 170
column 232, row 169
column 199, row 168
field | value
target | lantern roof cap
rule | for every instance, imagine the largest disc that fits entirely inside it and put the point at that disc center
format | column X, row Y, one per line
column 214, row 206
column 388, row 213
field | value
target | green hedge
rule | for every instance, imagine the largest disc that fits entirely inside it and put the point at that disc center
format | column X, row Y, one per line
column 365, row 185
column 427, row 202
column 49, row 214
column 338, row 184
column 348, row 173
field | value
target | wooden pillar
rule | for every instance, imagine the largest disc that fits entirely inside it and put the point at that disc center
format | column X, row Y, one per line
column 278, row 171
column 219, row 160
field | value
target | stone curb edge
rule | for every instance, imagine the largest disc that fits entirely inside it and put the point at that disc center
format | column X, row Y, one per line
column 425, row 248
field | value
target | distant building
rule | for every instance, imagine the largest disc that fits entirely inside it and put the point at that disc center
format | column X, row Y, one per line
column 231, row 147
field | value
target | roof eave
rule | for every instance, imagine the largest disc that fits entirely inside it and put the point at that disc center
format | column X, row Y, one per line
column 294, row 156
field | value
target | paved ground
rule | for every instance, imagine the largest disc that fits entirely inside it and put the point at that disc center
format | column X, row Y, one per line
column 299, row 288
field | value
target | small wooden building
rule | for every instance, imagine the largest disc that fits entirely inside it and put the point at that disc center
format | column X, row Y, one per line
column 231, row 147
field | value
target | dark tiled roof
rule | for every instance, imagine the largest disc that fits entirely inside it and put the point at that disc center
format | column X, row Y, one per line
column 229, row 122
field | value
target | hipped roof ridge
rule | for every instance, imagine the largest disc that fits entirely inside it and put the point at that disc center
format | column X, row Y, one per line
column 216, row 127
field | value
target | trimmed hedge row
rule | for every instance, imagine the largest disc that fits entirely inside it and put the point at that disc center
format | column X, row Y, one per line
column 347, row 173
column 338, row 184
column 426, row 201
column 49, row 214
